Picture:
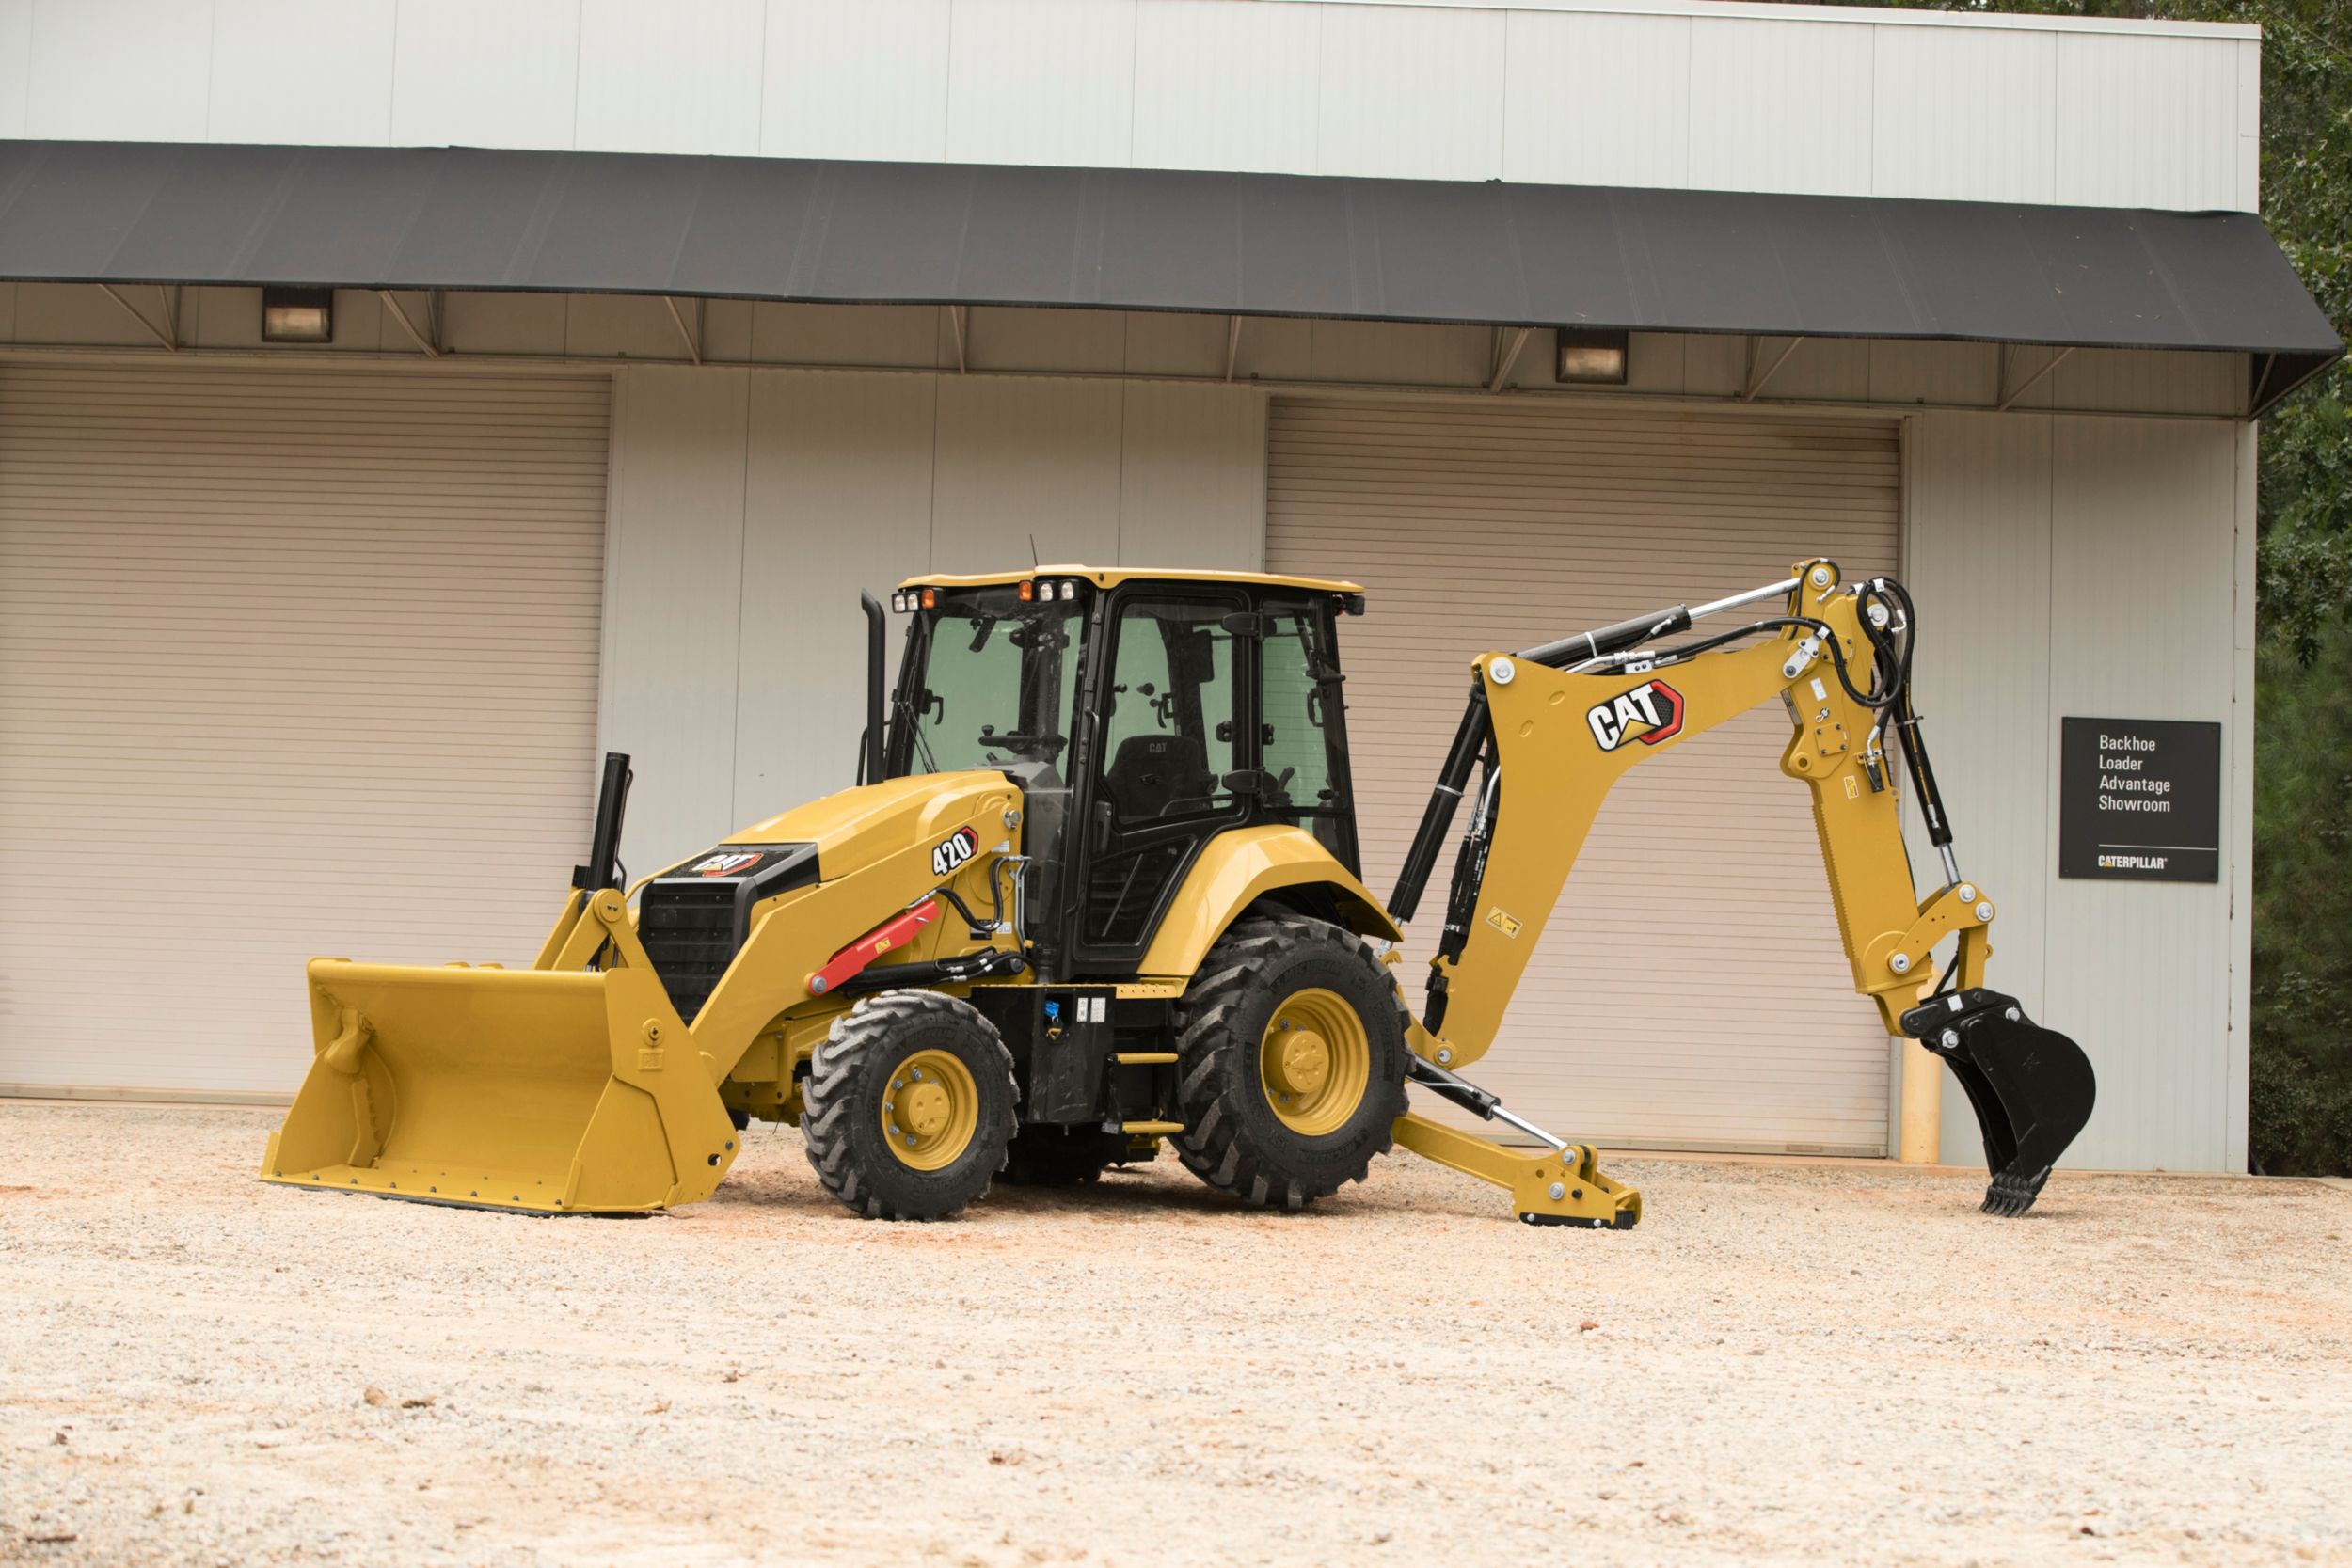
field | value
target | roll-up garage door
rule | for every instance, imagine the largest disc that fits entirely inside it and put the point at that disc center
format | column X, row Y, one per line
column 1690, row 990
column 293, row 662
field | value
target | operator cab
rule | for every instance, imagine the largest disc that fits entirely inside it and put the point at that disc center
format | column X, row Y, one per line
column 1142, row 714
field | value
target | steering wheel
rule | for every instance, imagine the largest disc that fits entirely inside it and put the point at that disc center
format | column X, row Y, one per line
column 1046, row 748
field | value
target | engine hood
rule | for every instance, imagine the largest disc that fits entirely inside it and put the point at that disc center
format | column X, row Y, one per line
column 854, row 826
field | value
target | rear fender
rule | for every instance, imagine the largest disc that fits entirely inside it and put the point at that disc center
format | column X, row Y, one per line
column 1237, row 869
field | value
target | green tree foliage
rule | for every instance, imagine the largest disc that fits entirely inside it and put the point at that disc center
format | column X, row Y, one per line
column 2301, row 1112
column 2303, row 1047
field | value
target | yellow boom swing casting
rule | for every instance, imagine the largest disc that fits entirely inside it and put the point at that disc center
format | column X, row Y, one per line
column 1097, row 889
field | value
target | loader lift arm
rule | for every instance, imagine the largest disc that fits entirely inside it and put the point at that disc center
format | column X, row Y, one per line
column 1573, row 716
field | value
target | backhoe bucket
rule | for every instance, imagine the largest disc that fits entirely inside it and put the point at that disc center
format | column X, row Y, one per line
column 2032, row 1087
column 556, row 1092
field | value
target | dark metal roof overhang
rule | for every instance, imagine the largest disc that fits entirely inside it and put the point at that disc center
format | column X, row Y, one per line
column 1412, row 250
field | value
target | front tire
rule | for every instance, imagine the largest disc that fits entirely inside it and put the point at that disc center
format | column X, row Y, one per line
column 908, row 1105
column 1291, row 1061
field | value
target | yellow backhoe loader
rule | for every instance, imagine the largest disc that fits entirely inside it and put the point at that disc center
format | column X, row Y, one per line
column 1097, row 889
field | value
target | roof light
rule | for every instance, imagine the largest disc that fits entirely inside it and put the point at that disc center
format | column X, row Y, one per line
column 297, row 315
column 1028, row 592
column 931, row 598
column 1069, row 590
column 1590, row 355
column 899, row 603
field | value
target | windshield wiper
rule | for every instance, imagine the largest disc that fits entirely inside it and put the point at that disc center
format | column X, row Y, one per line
column 915, row 728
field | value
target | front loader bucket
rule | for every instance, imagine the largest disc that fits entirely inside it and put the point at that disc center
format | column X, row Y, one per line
column 2032, row 1088
column 558, row 1092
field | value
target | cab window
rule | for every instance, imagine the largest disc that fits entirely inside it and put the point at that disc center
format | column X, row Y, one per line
column 1293, row 715
column 1169, row 741
column 994, row 685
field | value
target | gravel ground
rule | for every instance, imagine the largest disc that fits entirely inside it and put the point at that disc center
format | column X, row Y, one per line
column 1787, row 1363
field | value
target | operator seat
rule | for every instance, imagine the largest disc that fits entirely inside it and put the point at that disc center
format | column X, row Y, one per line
column 1149, row 773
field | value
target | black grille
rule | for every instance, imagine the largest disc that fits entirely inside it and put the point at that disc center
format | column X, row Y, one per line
column 689, row 931
column 693, row 924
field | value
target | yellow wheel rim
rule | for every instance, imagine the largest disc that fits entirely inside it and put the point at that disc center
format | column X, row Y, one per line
column 1315, row 1062
column 930, row 1110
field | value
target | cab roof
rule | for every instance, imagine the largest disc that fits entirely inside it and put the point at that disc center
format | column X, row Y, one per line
column 1111, row 577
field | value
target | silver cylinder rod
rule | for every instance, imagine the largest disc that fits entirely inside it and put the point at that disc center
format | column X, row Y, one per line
column 1774, row 590
column 1530, row 1128
column 1479, row 1103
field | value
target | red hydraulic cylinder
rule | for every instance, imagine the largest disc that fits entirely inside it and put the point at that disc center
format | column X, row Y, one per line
column 896, row 931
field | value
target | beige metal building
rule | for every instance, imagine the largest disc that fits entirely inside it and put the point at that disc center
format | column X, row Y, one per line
column 312, row 647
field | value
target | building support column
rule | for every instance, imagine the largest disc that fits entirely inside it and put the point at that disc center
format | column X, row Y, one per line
column 1921, row 1134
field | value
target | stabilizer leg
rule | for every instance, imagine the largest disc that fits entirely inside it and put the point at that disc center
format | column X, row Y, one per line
column 1559, row 1185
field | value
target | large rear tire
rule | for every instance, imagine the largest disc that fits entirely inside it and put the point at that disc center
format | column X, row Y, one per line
column 1291, row 1061
column 908, row 1105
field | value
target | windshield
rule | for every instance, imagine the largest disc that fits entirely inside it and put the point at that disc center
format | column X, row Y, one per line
column 990, row 684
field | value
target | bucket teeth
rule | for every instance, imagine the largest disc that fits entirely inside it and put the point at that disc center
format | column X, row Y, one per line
column 2012, row 1191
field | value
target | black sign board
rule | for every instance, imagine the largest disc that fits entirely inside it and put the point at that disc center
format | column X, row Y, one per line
column 2140, row 800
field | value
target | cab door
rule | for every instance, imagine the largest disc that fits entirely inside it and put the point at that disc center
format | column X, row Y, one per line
column 1175, row 698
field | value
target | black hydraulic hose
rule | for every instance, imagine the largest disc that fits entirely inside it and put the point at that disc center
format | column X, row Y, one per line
column 1470, row 739
column 1469, row 865
column 1874, row 700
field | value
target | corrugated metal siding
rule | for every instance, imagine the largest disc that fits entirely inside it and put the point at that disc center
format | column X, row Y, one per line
column 465, row 74
column 1498, row 526
column 1043, row 82
column 1977, row 552
column 1227, row 87
column 1809, row 81
column 855, row 81
column 684, row 76
column 2092, row 568
column 1410, row 92
column 2148, row 123
column 1743, row 96
column 333, row 83
column 292, row 662
column 2142, row 537
column 1566, row 123
column 2238, row 823
column 2001, row 85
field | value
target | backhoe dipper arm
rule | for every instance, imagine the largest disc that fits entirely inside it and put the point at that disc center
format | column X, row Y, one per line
column 1555, row 741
